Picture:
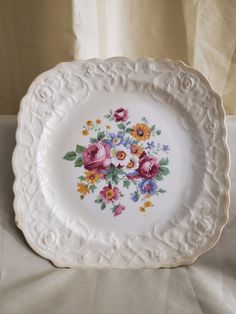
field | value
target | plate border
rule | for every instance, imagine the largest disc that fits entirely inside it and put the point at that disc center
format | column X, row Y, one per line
column 192, row 258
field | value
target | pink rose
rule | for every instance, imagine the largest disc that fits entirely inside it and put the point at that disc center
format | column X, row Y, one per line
column 97, row 156
column 118, row 210
column 121, row 114
column 148, row 167
column 109, row 194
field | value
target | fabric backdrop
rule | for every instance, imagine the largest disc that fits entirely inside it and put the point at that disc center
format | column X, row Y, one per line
column 36, row 35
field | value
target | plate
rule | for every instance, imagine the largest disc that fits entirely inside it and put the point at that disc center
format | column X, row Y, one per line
column 121, row 163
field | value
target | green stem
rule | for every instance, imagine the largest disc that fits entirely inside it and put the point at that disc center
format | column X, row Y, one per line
column 134, row 185
column 130, row 180
column 114, row 205
column 122, row 178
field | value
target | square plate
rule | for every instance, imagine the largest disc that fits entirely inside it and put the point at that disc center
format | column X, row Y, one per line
column 121, row 163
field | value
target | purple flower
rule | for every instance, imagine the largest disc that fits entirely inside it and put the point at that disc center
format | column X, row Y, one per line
column 150, row 145
column 165, row 148
column 148, row 186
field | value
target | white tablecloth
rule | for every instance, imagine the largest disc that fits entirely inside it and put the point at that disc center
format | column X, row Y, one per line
column 30, row 284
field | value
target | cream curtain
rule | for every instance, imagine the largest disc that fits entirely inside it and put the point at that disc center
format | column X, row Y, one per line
column 36, row 35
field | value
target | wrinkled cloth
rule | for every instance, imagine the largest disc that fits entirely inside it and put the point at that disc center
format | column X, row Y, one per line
column 30, row 284
column 36, row 35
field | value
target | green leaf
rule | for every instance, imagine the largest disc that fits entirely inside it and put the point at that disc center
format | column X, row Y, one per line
column 158, row 132
column 121, row 126
column 92, row 140
column 93, row 188
column 108, row 176
column 70, row 156
column 81, row 178
column 161, row 191
column 81, row 196
column 115, row 179
column 164, row 171
column 145, row 120
column 98, row 201
column 159, row 177
column 109, row 170
column 126, row 183
column 78, row 162
column 117, row 171
column 107, row 116
column 103, row 205
column 153, row 127
column 80, row 149
column 100, row 135
column 128, row 130
column 113, row 174
column 164, row 161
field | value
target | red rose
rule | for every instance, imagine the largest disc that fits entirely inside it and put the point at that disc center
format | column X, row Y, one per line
column 121, row 115
column 97, row 156
column 148, row 167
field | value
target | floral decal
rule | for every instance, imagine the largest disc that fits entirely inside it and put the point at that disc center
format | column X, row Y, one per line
column 120, row 158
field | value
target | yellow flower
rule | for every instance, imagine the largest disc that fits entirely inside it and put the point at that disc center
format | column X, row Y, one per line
column 89, row 123
column 141, row 132
column 98, row 121
column 142, row 209
column 148, row 204
column 92, row 176
column 85, row 132
column 136, row 150
column 108, row 127
column 82, row 188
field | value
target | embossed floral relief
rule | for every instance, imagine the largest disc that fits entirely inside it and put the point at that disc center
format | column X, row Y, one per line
column 122, row 159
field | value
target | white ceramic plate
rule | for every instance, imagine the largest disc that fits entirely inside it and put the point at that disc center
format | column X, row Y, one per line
column 121, row 163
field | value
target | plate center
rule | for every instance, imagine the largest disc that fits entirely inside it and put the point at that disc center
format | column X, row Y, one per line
column 121, row 162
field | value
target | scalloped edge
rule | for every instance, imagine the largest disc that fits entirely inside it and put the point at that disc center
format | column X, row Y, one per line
column 184, row 262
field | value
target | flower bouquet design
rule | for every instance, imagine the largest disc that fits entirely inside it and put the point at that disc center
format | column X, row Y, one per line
column 123, row 159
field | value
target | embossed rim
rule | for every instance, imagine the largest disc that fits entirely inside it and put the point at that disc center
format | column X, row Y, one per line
column 187, row 261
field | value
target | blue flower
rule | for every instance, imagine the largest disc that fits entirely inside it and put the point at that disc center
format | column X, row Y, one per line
column 148, row 186
column 128, row 142
column 116, row 139
column 150, row 145
column 165, row 148
column 132, row 175
column 134, row 196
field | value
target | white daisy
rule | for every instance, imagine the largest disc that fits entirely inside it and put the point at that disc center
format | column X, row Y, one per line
column 120, row 155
